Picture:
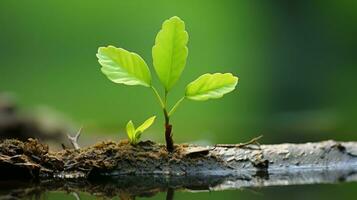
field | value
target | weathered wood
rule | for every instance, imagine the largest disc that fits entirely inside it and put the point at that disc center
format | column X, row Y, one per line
column 112, row 169
column 253, row 159
column 147, row 158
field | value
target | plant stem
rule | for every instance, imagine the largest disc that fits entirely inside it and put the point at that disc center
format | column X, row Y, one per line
column 168, row 132
column 158, row 97
column 165, row 98
column 168, row 126
column 173, row 109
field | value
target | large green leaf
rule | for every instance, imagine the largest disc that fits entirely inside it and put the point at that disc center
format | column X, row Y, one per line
column 170, row 51
column 122, row 66
column 211, row 86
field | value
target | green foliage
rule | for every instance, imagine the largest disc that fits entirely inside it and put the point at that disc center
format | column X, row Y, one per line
column 211, row 86
column 169, row 59
column 135, row 134
column 170, row 52
column 122, row 66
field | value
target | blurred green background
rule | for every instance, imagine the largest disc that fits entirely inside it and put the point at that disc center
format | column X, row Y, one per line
column 296, row 61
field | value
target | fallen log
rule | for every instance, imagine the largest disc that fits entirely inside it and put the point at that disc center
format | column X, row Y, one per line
column 33, row 159
column 118, row 168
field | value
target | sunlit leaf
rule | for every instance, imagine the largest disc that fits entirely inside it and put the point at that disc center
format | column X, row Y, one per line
column 122, row 66
column 146, row 124
column 170, row 51
column 130, row 130
column 211, row 86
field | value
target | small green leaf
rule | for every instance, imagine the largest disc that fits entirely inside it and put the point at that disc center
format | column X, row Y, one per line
column 146, row 124
column 130, row 130
column 122, row 66
column 170, row 51
column 211, row 86
column 135, row 134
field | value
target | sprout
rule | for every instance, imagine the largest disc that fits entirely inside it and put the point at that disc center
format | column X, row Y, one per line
column 135, row 134
column 169, row 60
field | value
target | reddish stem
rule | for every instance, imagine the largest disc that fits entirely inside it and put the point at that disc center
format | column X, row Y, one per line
column 168, row 133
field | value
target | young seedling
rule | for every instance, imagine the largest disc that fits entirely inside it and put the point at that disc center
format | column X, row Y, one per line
column 169, row 59
column 135, row 134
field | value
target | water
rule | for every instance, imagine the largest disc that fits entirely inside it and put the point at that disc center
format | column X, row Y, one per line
column 319, row 191
column 307, row 184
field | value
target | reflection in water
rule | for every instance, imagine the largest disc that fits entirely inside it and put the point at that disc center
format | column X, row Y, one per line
column 76, row 196
column 170, row 194
column 130, row 187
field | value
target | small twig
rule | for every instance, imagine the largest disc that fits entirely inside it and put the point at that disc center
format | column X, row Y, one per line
column 74, row 140
column 241, row 145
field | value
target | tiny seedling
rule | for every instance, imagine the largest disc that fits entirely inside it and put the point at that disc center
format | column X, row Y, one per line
column 169, row 59
column 134, row 134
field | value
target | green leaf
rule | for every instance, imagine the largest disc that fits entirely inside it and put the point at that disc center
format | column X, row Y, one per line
column 146, row 124
column 122, row 66
column 211, row 86
column 170, row 51
column 130, row 130
column 135, row 134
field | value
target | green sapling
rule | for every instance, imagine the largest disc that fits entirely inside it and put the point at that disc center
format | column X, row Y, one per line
column 169, row 59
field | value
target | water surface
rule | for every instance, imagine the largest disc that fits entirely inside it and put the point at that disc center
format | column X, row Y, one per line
column 302, row 184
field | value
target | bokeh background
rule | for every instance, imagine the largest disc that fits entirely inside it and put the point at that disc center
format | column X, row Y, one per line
column 296, row 61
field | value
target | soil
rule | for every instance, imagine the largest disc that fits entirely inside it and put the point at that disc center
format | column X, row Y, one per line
column 33, row 159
